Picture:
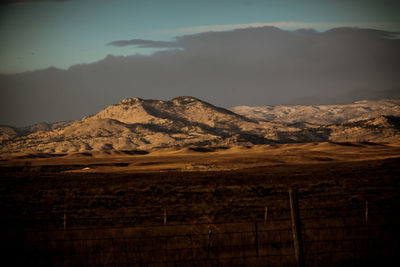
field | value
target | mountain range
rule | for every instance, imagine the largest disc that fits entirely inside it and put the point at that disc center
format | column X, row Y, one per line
column 138, row 124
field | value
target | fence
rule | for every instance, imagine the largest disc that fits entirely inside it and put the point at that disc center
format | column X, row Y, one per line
column 331, row 236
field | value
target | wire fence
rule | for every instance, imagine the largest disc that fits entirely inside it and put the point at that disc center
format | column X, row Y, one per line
column 332, row 236
column 224, row 244
column 277, row 210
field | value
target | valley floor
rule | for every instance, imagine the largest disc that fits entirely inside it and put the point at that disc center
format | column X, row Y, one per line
column 199, row 158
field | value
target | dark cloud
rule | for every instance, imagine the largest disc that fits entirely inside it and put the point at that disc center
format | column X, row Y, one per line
column 144, row 43
column 20, row 2
column 256, row 66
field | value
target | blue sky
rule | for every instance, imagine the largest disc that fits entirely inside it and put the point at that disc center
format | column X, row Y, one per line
column 40, row 34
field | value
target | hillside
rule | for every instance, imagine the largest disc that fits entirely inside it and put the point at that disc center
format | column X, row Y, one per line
column 138, row 124
column 135, row 123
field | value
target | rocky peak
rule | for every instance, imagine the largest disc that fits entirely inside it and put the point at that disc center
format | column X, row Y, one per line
column 184, row 100
column 131, row 101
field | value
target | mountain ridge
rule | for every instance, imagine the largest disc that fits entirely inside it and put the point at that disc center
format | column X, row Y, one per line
column 136, row 123
column 322, row 114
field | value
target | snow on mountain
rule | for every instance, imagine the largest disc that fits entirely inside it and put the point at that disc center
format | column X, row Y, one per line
column 321, row 114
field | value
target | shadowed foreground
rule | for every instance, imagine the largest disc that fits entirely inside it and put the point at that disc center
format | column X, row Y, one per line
column 203, row 218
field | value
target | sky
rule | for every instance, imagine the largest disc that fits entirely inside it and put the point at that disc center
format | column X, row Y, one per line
column 37, row 34
column 64, row 59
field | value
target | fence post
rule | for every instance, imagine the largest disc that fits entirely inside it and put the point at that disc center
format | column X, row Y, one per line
column 165, row 216
column 296, row 228
column 256, row 241
column 266, row 214
column 209, row 241
column 191, row 244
